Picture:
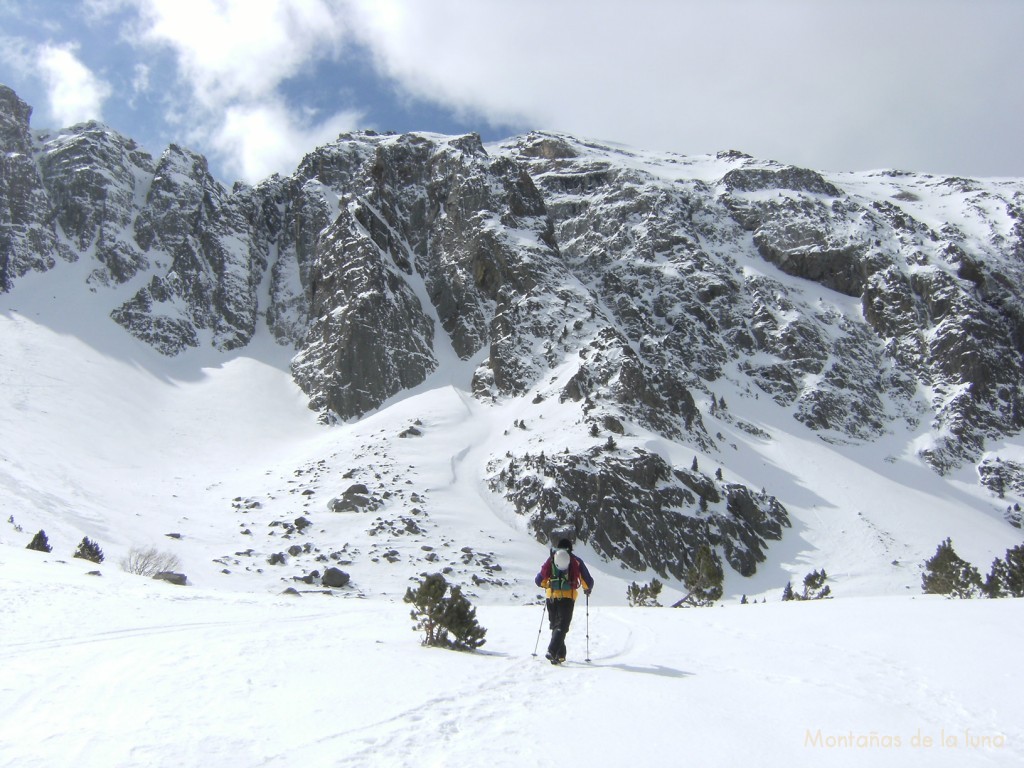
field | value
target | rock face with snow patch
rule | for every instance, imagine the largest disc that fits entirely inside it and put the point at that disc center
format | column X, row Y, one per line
column 26, row 244
column 637, row 509
column 426, row 235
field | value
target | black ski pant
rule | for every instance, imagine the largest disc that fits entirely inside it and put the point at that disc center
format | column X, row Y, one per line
column 559, row 618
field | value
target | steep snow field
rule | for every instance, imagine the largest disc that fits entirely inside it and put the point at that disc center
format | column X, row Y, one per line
column 103, row 437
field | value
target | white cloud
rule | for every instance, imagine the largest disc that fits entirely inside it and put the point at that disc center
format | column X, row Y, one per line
column 74, row 92
column 241, row 49
column 264, row 138
column 233, row 56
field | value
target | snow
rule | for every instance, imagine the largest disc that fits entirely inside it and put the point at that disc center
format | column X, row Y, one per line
column 116, row 670
column 103, row 437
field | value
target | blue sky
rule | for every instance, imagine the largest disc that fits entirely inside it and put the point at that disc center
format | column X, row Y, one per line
column 926, row 85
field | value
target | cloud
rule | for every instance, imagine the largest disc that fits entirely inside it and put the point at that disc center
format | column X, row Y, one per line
column 74, row 92
column 241, row 50
column 832, row 85
column 260, row 139
column 233, row 58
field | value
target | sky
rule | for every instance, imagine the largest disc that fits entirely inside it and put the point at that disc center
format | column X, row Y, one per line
column 923, row 85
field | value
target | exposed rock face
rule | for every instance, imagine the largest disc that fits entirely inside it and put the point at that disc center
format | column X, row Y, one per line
column 641, row 511
column 630, row 288
column 421, row 239
column 938, row 331
column 25, row 245
column 212, row 266
column 94, row 179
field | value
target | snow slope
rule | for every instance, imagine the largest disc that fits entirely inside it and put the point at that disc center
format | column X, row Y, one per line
column 121, row 671
column 103, row 437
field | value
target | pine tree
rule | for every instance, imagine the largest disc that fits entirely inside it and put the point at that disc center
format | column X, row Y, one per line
column 946, row 573
column 644, row 595
column 703, row 580
column 437, row 615
column 89, row 550
column 787, row 593
column 40, row 543
column 1006, row 578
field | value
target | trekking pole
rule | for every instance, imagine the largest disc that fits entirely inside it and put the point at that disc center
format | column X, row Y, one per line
column 588, row 627
column 541, row 627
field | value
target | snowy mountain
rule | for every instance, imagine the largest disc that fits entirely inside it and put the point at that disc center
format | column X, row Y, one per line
column 619, row 345
column 418, row 353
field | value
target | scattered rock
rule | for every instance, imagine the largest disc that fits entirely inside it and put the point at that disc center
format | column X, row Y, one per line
column 178, row 579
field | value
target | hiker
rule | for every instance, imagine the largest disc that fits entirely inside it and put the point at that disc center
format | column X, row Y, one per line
column 561, row 576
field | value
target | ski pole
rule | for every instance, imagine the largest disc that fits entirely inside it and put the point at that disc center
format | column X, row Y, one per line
column 541, row 627
column 588, row 626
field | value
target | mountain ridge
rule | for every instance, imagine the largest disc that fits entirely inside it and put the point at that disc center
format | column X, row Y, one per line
column 619, row 293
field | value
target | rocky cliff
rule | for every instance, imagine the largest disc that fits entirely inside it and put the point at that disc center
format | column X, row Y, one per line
column 634, row 288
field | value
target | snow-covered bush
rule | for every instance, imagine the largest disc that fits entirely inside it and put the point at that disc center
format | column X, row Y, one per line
column 438, row 615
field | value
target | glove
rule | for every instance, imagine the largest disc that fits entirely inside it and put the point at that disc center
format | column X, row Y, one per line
column 586, row 592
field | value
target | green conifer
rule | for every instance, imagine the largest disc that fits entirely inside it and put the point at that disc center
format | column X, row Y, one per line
column 1006, row 578
column 946, row 573
column 437, row 615
column 40, row 543
column 89, row 550
column 703, row 580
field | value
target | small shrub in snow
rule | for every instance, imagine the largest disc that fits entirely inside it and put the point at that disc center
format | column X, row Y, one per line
column 1006, row 578
column 644, row 595
column 815, row 587
column 89, row 550
column 149, row 562
column 439, row 615
column 40, row 543
column 946, row 573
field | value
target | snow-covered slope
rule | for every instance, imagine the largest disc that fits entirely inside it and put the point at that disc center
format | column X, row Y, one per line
column 122, row 671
